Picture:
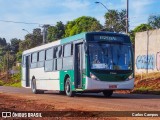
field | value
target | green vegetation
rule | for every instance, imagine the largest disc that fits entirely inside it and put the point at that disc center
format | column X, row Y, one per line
column 147, row 83
column 115, row 21
column 82, row 24
column 13, row 84
column 143, row 88
column 14, row 81
column 154, row 21
column 1, row 83
column 140, row 28
column 56, row 32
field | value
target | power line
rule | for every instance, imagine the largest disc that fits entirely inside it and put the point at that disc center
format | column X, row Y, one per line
column 20, row 22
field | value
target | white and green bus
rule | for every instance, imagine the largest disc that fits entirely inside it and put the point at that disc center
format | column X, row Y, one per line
column 87, row 62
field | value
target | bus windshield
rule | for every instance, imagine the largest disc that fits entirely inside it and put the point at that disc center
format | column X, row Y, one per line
column 109, row 56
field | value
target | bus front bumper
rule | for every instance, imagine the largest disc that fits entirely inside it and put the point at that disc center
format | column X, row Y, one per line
column 92, row 84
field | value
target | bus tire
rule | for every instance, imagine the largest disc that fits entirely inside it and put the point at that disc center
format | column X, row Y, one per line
column 108, row 93
column 34, row 88
column 62, row 92
column 68, row 90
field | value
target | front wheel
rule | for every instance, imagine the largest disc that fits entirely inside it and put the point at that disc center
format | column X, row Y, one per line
column 68, row 90
column 108, row 93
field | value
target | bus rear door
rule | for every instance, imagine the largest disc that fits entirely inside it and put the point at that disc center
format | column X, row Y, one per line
column 27, row 70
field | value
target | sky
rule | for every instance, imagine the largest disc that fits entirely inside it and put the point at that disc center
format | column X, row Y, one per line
column 51, row 11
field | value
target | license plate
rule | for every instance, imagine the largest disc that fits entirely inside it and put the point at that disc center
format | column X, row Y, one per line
column 113, row 86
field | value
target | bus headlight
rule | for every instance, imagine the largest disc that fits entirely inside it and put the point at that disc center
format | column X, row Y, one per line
column 130, row 77
column 93, row 76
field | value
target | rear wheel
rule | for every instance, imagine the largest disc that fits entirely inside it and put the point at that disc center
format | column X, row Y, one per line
column 108, row 93
column 34, row 88
column 68, row 90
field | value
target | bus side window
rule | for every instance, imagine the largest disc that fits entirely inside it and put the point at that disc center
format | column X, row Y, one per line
column 41, row 58
column 68, row 58
column 67, row 50
column 34, row 57
column 49, row 60
column 58, row 59
column 55, row 60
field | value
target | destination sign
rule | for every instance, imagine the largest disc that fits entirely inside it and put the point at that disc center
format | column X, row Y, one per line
column 108, row 38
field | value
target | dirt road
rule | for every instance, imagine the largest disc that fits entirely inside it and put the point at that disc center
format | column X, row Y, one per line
column 22, row 99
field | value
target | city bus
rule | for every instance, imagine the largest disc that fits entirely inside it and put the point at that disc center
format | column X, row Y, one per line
column 86, row 62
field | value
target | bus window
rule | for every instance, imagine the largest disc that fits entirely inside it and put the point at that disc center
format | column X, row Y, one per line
column 41, row 57
column 68, row 63
column 68, row 59
column 58, row 52
column 34, row 60
column 48, row 65
column 49, row 54
column 59, row 64
column 34, row 57
column 67, row 50
column 49, row 60
column 58, row 60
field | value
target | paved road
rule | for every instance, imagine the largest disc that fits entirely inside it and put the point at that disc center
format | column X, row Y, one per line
column 118, row 102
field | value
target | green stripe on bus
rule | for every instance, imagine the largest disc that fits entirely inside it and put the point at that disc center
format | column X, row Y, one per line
column 62, row 75
column 72, row 38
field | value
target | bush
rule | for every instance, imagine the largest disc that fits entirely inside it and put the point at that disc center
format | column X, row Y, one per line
column 1, row 83
column 16, row 77
column 18, row 84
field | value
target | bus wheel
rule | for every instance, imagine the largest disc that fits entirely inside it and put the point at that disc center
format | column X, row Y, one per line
column 62, row 92
column 108, row 93
column 34, row 88
column 68, row 90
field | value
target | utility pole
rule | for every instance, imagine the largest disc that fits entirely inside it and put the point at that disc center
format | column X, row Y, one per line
column 127, row 24
column 7, row 65
column 45, row 28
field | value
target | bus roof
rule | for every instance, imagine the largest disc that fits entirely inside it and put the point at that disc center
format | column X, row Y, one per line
column 68, row 39
column 58, row 42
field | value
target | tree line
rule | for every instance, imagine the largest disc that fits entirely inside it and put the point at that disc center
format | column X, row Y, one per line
column 115, row 21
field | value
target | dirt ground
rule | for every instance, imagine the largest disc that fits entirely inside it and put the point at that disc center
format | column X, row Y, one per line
column 58, row 111
column 55, row 110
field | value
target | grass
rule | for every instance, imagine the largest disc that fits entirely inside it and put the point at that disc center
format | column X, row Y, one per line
column 143, row 89
column 147, row 83
column 18, row 84
column 145, row 76
column 14, row 81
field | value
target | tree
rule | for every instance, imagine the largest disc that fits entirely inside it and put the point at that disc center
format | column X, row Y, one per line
column 15, row 44
column 140, row 28
column 56, row 32
column 3, row 42
column 115, row 21
column 82, row 24
column 154, row 21
column 31, row 40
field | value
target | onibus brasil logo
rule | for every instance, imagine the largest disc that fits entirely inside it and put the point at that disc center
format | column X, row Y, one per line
column 20, row 114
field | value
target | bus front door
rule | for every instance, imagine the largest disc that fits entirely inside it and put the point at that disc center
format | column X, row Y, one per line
column 27, row 71
column 78, row 65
